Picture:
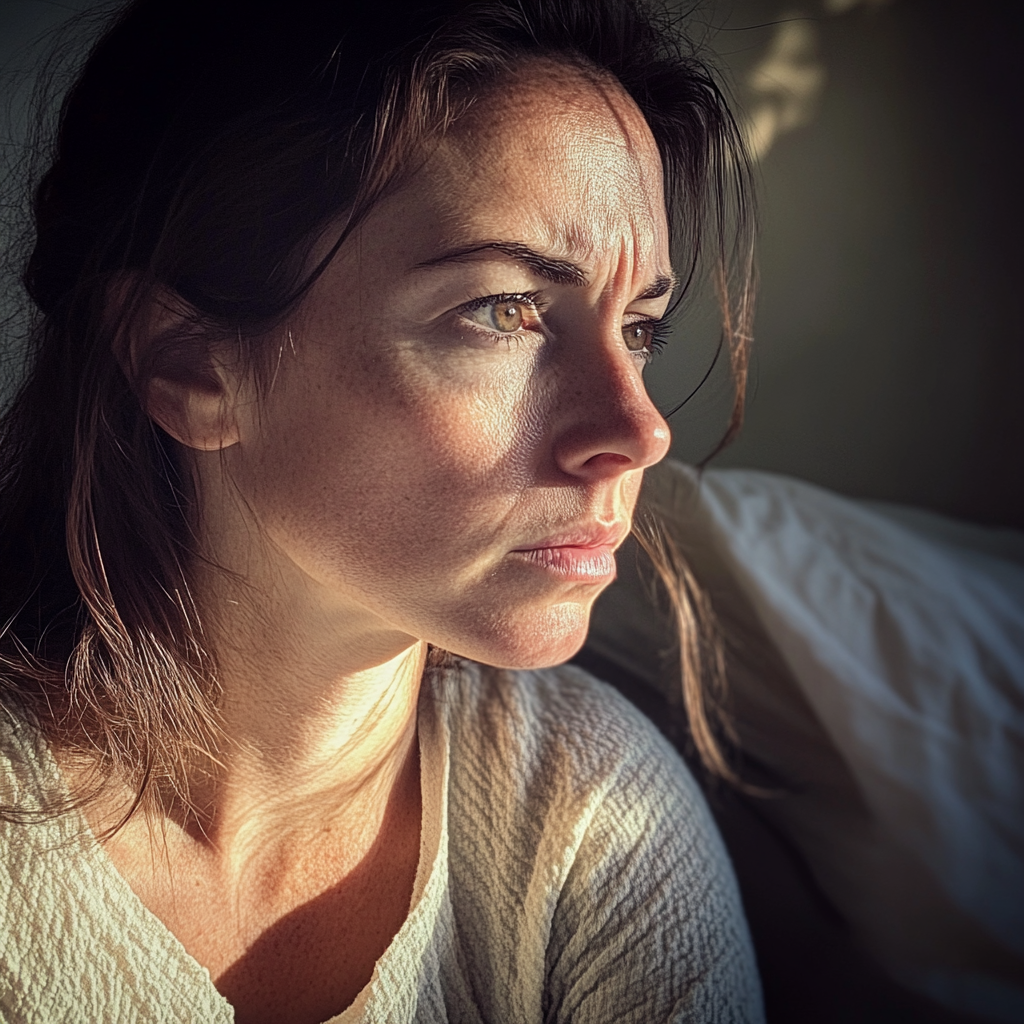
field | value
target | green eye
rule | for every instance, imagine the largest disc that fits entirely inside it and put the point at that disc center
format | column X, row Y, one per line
column 506, row 316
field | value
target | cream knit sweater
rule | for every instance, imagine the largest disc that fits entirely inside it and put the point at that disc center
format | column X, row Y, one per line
column 569, row 871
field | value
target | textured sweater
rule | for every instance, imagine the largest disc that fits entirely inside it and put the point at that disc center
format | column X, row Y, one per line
column 569, row 871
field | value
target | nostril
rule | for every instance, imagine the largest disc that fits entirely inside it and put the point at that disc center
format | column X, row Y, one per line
column 609, row 459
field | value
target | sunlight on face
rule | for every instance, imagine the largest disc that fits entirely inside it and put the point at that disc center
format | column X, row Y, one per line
column 457, row 442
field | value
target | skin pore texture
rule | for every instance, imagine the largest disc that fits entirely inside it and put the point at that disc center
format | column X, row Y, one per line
column 451, row 448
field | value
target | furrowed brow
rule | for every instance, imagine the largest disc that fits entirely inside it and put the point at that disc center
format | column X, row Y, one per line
column 558, row 271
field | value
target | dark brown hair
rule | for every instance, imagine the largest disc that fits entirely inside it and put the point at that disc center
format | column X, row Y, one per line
column 202, row 150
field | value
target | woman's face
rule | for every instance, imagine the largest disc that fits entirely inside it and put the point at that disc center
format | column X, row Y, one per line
column 455, row 441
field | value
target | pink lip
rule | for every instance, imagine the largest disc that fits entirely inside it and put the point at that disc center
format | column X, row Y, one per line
column 579, row 555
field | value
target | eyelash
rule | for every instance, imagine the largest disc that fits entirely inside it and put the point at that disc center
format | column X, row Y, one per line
column 659, row 327
column 531, row 299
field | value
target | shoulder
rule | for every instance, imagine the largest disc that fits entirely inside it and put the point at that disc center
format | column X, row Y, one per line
column 34, row 870
column 559, row 717
column 581, row 847
column 560, row 745
column 20, row 760
column 32, row 794
column 75, row 941
column 561, row 738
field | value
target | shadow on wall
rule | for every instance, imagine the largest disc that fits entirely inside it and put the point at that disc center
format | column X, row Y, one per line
column 889, row 361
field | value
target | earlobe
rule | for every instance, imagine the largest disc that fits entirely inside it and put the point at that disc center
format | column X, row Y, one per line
column 174, row 370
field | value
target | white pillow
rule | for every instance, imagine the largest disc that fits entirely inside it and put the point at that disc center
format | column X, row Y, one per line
column 904, row 633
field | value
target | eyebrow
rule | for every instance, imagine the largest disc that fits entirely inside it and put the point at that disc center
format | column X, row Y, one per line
column 558, row 271
column 661, row 286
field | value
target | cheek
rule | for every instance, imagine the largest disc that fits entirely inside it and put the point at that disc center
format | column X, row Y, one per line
column 487, row 438
column 360, row 461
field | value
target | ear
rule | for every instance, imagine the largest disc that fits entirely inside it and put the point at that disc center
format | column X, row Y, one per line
column 185, row 384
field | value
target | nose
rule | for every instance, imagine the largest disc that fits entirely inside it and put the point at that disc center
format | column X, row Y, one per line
column 607, row 423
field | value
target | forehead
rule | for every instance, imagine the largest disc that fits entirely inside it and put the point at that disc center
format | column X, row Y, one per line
column 554, row 156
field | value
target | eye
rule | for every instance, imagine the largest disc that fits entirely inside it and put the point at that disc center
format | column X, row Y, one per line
column 646, row 337
column 502, row 314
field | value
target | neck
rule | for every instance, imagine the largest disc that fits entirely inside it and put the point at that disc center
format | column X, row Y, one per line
column 298, row 754
column 317, row 710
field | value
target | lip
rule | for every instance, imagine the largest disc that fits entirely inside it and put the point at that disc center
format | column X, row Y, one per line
column 580, row 554
column 595, row 535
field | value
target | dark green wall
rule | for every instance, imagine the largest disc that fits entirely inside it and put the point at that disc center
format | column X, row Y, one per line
column 890, row 357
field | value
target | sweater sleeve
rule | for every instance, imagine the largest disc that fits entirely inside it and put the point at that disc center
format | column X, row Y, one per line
column 649, row 926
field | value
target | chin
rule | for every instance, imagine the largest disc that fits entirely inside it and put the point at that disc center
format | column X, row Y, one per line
column 527, row 641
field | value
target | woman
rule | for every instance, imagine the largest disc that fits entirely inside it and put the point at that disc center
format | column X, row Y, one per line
column 336, row 402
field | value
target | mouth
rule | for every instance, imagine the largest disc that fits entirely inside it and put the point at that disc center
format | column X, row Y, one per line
column 583, row 554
